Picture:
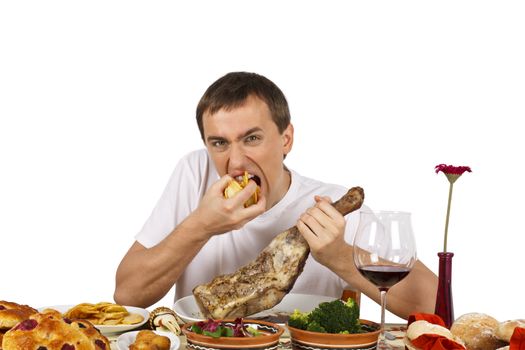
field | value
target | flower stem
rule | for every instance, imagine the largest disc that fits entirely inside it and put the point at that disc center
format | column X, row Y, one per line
column 448, row 215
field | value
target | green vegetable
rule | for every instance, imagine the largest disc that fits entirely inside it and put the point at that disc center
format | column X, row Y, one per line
column 298, row 319
column 253, row 331
column 330, row 317
column 314, row 326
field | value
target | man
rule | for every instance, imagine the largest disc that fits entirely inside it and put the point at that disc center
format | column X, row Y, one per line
column 195, row 234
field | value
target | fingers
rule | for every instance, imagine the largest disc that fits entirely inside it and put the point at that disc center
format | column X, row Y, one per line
column 313, row 236
column 235, row 205
column 325, row 204
column 219, row 186
column 307, row 232
column 243, row 195
column 238, row 198
column 322, row 217
column 255, row 209
column 322, row 221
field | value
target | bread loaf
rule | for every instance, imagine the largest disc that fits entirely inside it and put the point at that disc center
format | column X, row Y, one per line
column 477, row 330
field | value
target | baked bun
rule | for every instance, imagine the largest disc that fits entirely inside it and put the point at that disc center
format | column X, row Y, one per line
column 49, row 331
column 505, row 329
column 418, row 328
column 149, row 340
column 12, row 313
column 476, row 330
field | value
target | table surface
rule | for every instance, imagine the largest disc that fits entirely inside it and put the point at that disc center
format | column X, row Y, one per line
column 396, row 329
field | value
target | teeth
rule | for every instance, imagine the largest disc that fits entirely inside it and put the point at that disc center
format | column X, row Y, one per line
column 241, row 177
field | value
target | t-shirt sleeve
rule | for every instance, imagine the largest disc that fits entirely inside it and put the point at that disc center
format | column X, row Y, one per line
column 180, row 197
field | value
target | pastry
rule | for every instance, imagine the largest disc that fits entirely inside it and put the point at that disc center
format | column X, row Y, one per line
column 149, row 340
column 505, row 329
column 12, row 313
column 476, row 330
column 49, row 331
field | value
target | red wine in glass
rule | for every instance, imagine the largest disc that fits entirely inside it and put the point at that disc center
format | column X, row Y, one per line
column 384, row 253
column 383, row 277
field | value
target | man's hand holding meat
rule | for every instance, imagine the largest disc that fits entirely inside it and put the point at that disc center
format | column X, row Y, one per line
column 323, row 227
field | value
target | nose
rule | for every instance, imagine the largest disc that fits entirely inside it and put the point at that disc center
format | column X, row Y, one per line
column 237, row 158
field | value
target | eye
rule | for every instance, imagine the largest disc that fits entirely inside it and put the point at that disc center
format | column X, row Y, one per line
column 219, row 144
column 252, row 139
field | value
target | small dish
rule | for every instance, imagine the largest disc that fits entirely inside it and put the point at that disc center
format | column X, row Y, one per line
column 302, row 339
column 126, row 339
column 108, row 329
column 186, row 308
column 268, row 341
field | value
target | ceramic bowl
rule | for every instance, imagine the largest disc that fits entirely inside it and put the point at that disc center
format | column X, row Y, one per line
column 305, row 340
column 268, row 341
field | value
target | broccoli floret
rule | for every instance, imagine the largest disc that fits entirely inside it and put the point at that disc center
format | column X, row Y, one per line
column 353, row 305
column 298, row 319
column 314, row 326
column 337, row 316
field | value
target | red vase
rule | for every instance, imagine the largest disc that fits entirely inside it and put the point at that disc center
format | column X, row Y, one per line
column 444, row 304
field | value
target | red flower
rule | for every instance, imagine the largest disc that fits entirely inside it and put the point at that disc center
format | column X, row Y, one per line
column 452, row 173
column 450, row 169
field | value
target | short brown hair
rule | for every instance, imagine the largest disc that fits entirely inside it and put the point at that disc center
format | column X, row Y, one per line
column 234, row 88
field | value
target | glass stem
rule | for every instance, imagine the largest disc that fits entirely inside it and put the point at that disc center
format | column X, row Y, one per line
column 383, row 308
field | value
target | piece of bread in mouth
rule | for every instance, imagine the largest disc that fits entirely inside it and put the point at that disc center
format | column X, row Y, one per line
column 235, row 186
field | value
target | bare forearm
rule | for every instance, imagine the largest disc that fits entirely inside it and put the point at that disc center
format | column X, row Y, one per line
column 416, row 293
column 146, row 275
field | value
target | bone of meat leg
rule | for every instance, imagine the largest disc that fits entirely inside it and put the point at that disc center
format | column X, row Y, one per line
column 262, row 283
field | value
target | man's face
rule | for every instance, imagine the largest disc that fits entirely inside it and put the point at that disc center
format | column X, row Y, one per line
column 246, row 139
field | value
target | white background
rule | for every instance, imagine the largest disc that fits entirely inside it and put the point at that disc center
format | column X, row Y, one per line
column 97, row 104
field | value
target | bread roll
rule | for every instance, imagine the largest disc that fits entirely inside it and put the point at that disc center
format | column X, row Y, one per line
column 147, row 339
column 476, row 330
column 505, row 329
column 418, row 328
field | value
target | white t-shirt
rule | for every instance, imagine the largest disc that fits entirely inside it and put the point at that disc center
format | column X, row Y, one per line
column 227, row 252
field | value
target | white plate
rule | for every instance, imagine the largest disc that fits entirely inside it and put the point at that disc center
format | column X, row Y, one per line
column 108, row 329
column 126, row 339
column 188, row 310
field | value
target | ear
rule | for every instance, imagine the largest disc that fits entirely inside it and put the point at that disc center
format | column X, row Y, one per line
column 287, row 137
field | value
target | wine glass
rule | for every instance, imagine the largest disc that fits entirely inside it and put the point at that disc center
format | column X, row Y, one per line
column 384, row 253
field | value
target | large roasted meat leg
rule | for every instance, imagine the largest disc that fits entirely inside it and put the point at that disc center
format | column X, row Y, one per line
column 262, row 283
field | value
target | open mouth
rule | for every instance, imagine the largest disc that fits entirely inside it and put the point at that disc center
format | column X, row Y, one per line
column 255, row 178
